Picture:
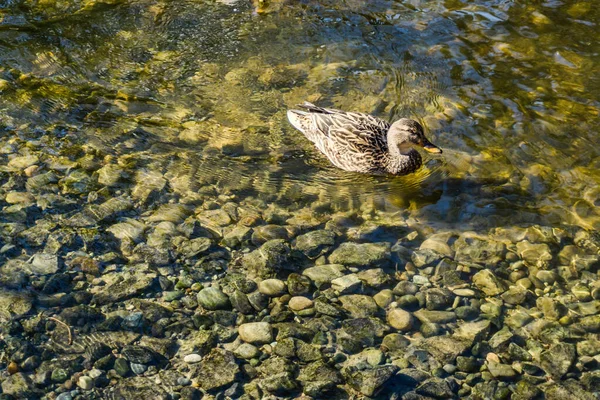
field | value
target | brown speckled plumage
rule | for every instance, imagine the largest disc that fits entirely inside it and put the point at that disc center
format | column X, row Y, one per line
column 362, row 143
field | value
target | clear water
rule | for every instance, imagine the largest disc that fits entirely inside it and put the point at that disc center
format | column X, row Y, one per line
column 198, row 90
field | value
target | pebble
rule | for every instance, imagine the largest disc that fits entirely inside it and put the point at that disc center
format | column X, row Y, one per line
column 298, row 303
column 272, row 287
column 256, row 332
column 246, row 351
column 400, row 319
column 213, row 298
column 192, row 358
column 85, row 382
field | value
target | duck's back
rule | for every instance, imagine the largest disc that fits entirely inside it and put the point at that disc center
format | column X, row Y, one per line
column 352, row 141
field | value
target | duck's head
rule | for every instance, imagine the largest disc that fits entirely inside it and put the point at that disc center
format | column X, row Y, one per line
column 407, row 133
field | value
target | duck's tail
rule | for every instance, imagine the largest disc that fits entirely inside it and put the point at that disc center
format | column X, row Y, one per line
column 299, row 119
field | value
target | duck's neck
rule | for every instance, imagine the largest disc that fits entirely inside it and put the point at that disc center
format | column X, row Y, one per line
column 400, row 162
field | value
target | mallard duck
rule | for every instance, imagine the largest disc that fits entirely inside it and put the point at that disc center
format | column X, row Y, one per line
column 362, row 143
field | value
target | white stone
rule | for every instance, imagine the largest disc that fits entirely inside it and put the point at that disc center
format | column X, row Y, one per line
column 192, row 358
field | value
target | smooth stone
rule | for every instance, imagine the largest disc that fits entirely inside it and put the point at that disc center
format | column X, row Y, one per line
column 298, row 303
column 435, row 317
column 400, row 319
column 405, row 287
column 192, row 358
column 256, row 332
column 374, row 357
column 384, row 298
column 364, row 254
column 395, row 341
column 272, row 287
column 246, row 351
column 85, row 382
column 24, row 198
column 501, row 371
column 213, row 298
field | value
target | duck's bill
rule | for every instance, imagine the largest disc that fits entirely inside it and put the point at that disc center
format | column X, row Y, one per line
column 431, row 148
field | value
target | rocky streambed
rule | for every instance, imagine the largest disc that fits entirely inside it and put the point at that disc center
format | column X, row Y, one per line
column 113, row 285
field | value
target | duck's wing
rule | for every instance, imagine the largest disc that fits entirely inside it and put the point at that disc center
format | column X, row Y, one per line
column 353, row 126
column 352, row 141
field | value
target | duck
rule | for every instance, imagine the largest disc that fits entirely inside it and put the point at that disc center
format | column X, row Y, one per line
column 359, row 142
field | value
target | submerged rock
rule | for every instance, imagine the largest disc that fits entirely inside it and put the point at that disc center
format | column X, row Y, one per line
column 489, row 283
column 366, row 254
column 316, row 243
column 271, row 257
column 218, row 369
column 370, row 381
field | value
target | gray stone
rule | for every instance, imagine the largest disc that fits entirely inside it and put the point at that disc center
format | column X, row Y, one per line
column 400, row 319
column 346, row 284
column 246, row 351
column 272, row 287
column 438, row 299
column 281, row 383
column 237, row 237
column 298, row 284
column 85, row 382
column 123, row 289
column 395, row 341
column 14, row 304
column 192, row 248
column 358, row 305
column 192, row 358
column 240, row 302
column 436, row 317
column 365, row 254
column 256, row 332
column 489, row 283
column 499, row 342
column 198, row 342
column 130, row 229
column 473, row 331
column 374, row 277
column 590, row 347
column 384, row 298
column 268, row 259
column 472, row 248
column 502, row 371
column 213, row 298
column 316, row 243
column 44, row 264
column 436, row 388
column 445, row 349
column 551, row 308
column 558, row 359
column 405, row 287
column 265, row 233
column 537, row 255
column 19, row 386
column 322, row 274
column 515, row 295
column 370, row 381
column 218, row 369
column 425, row 258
